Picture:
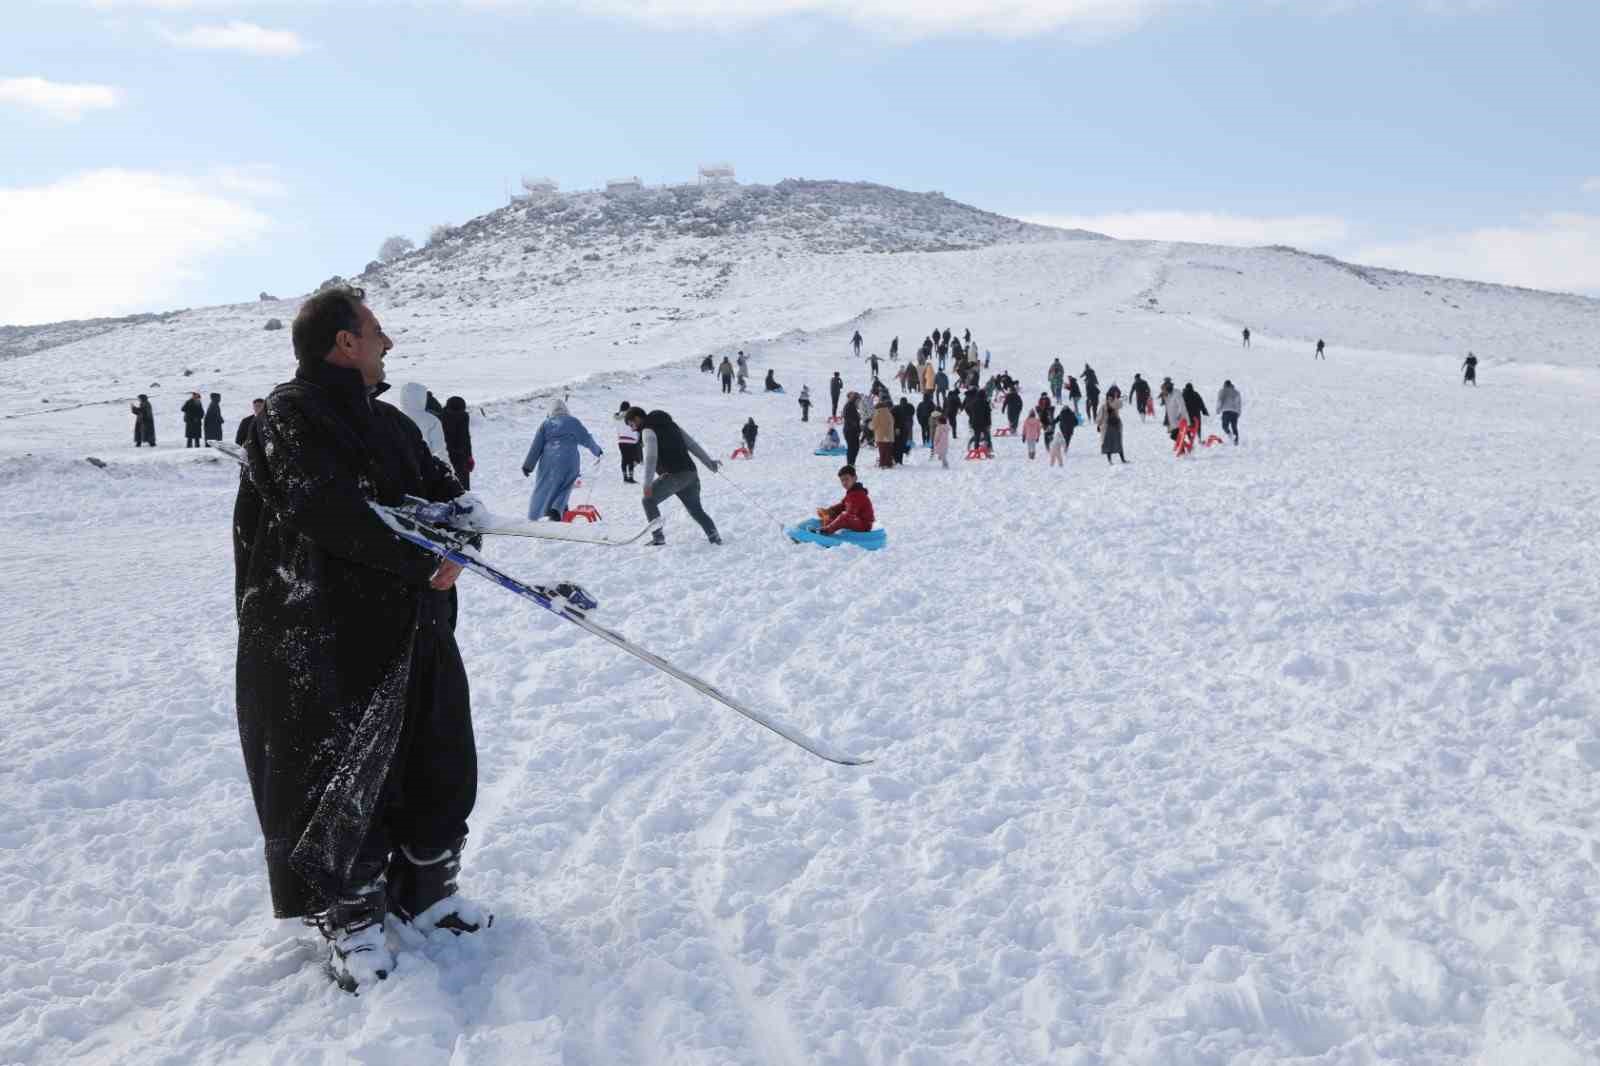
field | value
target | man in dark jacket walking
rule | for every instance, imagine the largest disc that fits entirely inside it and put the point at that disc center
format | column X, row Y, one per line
column 213, row 420
column 352, row 700
column 977, row 408
column 852, row 428
column 144, row 422
column 669, row 455
column 905, row 422
column 194, row 414
column 835, row 387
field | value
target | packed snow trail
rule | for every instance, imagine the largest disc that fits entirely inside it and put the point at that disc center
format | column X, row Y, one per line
column 1283, row 752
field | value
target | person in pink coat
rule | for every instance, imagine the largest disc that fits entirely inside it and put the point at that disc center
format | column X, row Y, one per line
column 1030, row 432
column 940, row 430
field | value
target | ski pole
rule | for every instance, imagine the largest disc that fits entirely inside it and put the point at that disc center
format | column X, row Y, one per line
column 751, row 498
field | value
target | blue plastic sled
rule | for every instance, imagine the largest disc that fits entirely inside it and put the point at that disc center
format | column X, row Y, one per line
column 840, row 450
column 810, row 530
column 774, row 392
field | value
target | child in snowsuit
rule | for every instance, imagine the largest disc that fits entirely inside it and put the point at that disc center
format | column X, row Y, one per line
column 1030, row 432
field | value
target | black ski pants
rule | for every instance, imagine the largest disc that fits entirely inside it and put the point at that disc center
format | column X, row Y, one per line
column 834, row 396
column 727, row 384
column 852, row 447
column 685, row 484
column 1230, row 424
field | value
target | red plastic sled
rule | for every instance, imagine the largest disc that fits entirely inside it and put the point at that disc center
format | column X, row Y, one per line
column 1185, row 442
column 586, row 511
column 740, row 453
column 980, row 452
column 1005, row 431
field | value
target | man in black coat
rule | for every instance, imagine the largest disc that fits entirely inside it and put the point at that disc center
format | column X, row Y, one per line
column 213, row 420
column 835, row 387
column 1013, row 406
column 905, row 422
column 952, row 410
column 852, row 429
column 924, row 412
column 242, row 434
column 194, row 415
column 352, row 698
column 977, row 408
column 457, row 425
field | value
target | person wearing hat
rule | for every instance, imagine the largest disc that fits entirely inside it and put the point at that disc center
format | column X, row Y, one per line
column 194, row 414
column 213, row 421
column 144, row 422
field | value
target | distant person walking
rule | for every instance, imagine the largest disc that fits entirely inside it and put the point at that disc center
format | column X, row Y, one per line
column 835, row 387
column 1469, row 370
column 1194, row 407
column 554, row 453
column 194, row 414
column 627, row 442
column 883, row 433
column 1321, row 350
column 855, row 343
column 669, row 455
column 873, row 363
column 1030, row 432
column 1246, row 334
column 805, row 403
column 213, row 423
column 749, row 431
column 144, row 422
column 852, row 428
column 1229, row 405
column 941, row 438
column 725, row 372
column 1140, row 391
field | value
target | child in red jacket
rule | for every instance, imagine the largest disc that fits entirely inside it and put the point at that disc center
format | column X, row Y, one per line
column 854, row 512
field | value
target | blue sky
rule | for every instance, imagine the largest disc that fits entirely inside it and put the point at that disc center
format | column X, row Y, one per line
column 167, row 153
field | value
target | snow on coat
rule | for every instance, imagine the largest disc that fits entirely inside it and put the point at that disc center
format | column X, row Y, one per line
column 555, row 453
column 414, row 402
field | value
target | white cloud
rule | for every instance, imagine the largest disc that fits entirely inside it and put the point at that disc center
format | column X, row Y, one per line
column 1558, row 251
column 238, row 37
column 1009, row 18
column 112, row 241
column 1312, row 232
column 59, row 100
column 255, row 180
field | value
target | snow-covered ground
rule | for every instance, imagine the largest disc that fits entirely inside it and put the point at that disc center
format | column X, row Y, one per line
column 1281, row 753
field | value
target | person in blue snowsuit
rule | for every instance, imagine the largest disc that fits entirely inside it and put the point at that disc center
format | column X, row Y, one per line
column 555, row 453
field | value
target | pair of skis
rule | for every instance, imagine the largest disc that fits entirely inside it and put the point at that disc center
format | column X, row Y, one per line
column 435, row 527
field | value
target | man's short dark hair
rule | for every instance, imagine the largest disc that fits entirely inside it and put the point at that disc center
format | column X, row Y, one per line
column 633, row 413
column 322, row 317
column 847, row 469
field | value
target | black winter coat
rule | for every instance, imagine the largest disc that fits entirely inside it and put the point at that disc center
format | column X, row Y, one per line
column 214, row 421
column 457, row 425
column 852, row 422
column 329, row 604
column 1194, row 403
column 193, row 415
column 977, row 408
column 242, row 434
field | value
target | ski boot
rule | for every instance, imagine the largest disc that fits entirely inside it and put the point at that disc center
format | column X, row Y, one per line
column 358, row 953
column 422, row 891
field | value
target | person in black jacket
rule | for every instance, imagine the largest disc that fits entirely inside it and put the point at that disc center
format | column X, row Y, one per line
column 457, row 425
column 213, row 420
column 1013, row 408
column 852, row 427
column 243, row 432
column 905, row 422
column 1195, row 405
column 669, row 455
column 1140, row 391
column 748, row 432
column 353, row 709
column 194, row 415
column 835, row 386
column 952, row 410
column 977, row 409
column 1091, row 392
column 925, row 409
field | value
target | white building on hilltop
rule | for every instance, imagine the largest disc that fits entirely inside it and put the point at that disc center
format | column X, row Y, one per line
column 716, row 174
column 624, row 185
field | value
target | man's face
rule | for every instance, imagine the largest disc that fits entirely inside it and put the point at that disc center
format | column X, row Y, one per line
column 258, row 407
column 847, row 480
column 364, row 350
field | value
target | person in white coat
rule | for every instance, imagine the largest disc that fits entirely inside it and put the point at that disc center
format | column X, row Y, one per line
column 414, row 402
column 1176, row 411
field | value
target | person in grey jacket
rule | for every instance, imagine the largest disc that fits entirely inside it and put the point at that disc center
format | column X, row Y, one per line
column 669, row 469
column 1229, row 406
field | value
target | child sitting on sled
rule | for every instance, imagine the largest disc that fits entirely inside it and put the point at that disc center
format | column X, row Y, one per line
column 854, row 512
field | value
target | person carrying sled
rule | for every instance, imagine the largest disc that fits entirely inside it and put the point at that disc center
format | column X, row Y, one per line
column 213, row 422
column 1229, row 405
column 1175, row 410
column 669, row 454
column 854, row 512
column 805, row 403
column 194, row 414
column 144, row 422
column 1194, row 407
column 1469, row 370
column 354, row 716
column 835, row 387
column 748, row 431
column 554, row 452
column 725, row 372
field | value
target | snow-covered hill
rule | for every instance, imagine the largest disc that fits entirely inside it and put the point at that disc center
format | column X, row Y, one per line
column 1283, row 753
